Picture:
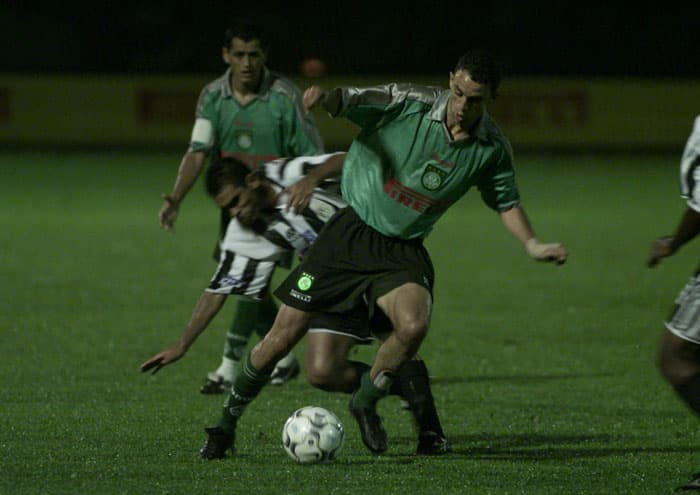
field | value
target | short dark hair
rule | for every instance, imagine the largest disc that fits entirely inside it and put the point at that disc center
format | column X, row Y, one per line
column 246, row 30
column 482, row 68
column 227, row 170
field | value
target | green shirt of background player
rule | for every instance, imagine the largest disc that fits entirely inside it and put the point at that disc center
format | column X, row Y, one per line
column 255, row 115
column 419, row 151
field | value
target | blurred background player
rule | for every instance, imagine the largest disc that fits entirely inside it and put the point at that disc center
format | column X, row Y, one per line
column 255, row 115
column 263, row 223
column 419, row 151
column 679, row 352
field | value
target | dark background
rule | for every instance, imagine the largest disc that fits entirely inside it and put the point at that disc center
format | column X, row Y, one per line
column 530, row 37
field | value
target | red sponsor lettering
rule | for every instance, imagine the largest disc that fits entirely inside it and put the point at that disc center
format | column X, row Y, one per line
column 412, row 199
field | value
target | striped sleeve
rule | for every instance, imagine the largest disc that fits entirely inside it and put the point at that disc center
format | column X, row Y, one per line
column 286, row 171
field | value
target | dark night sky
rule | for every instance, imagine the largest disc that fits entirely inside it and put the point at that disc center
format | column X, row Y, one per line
column 529, row 37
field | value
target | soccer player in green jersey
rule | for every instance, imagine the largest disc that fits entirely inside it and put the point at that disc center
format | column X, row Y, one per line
column 679, row 352
column 419, row 150
column 255, row 115
column 264, row 226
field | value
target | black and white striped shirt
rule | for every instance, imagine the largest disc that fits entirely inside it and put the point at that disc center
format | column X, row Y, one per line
column 248, row 258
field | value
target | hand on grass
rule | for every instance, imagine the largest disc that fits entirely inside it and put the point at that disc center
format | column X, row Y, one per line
column 163, row 358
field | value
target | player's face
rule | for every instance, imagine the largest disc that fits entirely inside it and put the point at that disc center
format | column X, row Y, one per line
column 246, row 59
column 246, row 203
column 467, row 100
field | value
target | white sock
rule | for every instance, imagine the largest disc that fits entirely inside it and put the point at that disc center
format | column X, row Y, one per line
column 227, row 368
column 286, row 361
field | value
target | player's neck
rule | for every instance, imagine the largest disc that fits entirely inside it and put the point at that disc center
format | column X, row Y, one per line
column 244, row 92
column 456, row 131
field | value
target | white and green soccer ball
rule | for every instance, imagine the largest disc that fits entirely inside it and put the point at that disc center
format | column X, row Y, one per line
column 312, row 434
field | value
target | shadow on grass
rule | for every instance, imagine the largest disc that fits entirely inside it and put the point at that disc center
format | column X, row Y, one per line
column 516, row 379
column 544, row 447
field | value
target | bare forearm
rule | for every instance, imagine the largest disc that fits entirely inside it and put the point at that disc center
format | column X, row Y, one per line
column 687, row 229
column 516, row 222
column 190, row 168
column 330, row 169
column 206, row 308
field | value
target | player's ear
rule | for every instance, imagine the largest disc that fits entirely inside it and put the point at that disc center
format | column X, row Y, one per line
column 224, row 55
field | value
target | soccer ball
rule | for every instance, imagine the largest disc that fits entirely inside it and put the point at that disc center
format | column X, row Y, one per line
column 312, row 434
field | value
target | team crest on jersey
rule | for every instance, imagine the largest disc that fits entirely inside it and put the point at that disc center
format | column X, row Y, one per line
column 304, row 282
column 433, row 177
column 244, row 139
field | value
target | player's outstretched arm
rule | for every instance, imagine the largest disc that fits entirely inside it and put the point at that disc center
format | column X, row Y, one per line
column 330, row 100
column 516, row 222
column 190, row 168
column 663, row 247
column 206, row 308
column 299, row 193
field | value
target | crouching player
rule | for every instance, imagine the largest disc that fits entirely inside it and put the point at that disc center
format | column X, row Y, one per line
column 274, row 211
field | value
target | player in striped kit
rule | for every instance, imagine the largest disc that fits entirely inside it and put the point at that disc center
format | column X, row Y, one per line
column 264, row 227
column 679, row 353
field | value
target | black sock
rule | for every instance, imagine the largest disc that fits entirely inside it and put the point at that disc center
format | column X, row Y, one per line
column 690, row 392
column 414, row 381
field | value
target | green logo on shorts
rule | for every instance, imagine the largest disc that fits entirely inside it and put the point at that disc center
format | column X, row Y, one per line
column 433, row 178
column 305, row 281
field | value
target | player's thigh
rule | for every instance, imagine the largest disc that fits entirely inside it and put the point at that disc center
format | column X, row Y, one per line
column 408, row 307
column 327, row 352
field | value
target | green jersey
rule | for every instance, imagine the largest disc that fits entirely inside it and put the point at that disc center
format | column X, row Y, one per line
column 270, row 126
column 403, row 171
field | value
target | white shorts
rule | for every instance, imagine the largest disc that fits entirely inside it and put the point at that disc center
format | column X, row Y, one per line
column 684, row 321
column 240, row 275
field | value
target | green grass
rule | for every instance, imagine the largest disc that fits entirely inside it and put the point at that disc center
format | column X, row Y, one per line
column 544, row 376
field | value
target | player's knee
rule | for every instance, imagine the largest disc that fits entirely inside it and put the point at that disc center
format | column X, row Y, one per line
column 411, row 330
column 321, row 376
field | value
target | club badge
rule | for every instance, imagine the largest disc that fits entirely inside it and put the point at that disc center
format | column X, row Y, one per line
column 433, row 178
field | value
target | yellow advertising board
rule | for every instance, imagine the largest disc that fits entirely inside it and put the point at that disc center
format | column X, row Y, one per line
column 535, row 113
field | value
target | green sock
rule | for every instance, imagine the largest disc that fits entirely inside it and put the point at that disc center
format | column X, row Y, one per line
column 371, row 391
column 360, row 368
column 266, row 315
column 246, row 387
column 245, row 320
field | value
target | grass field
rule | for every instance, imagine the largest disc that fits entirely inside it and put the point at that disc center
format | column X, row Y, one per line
column 544, row 376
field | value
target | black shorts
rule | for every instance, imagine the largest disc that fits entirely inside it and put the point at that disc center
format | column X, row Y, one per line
column 351, row 262
column 355, row 323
